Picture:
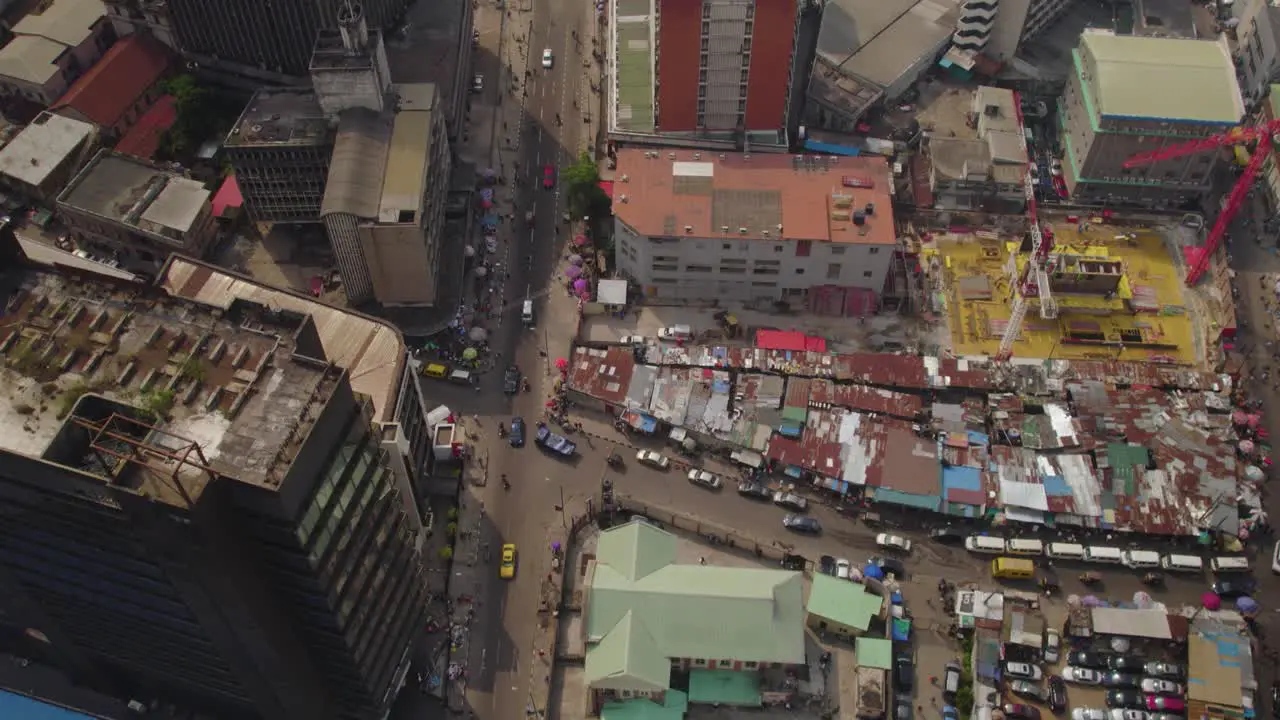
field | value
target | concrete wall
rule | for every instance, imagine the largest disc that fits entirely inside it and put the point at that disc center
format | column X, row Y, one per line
column 401, row 265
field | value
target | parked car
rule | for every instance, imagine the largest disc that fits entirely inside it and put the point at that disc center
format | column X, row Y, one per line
column 552, row 442
column 1165, row 716
column 633, row 340
column 949, row 712
column 477, row 83
column 1025, row 671
column 893, row 542
column 889, row 565
column 754, row 491
column 1126, row 663
column 1019, row 710
column 947, row 536
column 548, row 177
column 516, row 437
column 547, row 59
column 790, row 501
column 707, row 480
column 1088, row 714
column 1157, row 686
column 1123, row 714
column 1125, row 699
column 1086, row 659
column 827, row 565
column 1081, row 675
column 1057, row 694
column 802, row 524
column 904, row 672
column 1235, row 587
column 951, row 678
column 844, row 569
column 1121, row 680
column 511, row 380
column 1167, row 704
column 902, row 708
column 1159, row 669
column 653, row 459
column 673, row 333
column 1027, row 689
column 1052, row 645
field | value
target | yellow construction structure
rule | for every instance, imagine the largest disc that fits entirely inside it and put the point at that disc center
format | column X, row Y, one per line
column 1119, row 296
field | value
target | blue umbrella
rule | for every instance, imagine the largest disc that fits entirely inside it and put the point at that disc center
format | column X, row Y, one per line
column 873, row 571
column 1247, row 605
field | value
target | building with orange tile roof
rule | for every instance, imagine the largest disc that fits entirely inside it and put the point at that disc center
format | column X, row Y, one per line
column 120, row 87
column 814, row 231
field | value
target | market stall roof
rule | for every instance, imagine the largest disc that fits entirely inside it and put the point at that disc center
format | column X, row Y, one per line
column 612, row 292
column 1133, row 623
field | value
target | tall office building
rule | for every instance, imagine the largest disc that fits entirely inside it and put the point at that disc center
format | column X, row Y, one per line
column 273, row 40
column 196, row 505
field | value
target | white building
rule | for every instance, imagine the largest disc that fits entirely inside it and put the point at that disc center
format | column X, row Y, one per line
column 1257, row 50
column 52, row 47
column 812, row 231
column 39, row 161
column 997, row 28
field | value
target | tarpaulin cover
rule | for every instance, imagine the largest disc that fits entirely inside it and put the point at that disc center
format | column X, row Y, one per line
column 901, row 630
column 780, row 340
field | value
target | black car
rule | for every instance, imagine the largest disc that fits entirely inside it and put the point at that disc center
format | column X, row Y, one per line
column 904, row 673
column 1131, row 699
column 516, row 438
column 1057, row 693
column 511, row 380
column 1086, row 659
column 1020, row 710
column 1235, row 587
column 889, row 565
column 754, row 491
column 827, row 565
column 1121, row 680
column 947, row 536
column 1127, row 664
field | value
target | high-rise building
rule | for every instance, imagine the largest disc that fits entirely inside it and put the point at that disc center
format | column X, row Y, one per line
column 702, row 69
column 198, row 505
column 280, row 149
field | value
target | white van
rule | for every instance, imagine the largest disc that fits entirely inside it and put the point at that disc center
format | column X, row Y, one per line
column 984, row 544
column 526, row 313
column 1141, row 559
column 1101, row 554
column 1020, row 546
column 1229, row 563
column 1064, row 551
column 1182, row 563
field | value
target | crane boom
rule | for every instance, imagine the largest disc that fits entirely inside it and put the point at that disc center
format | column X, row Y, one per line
column 1032, row 274
column 1234, row 202
column 1235, row 136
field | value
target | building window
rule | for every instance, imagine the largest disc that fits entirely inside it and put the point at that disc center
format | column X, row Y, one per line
column 749, row 665
column 873, row 251
column 733, row 270
column 837, row 249
column 700, row 662
column 698, row 268
column 799, row 271
column 866, row 274
column 777, row 248
column 802, row 248
column 833, row 271
column 726, row 246
column 726, row 663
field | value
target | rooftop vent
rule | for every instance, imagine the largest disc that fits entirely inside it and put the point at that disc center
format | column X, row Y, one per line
column 671, row 156
column 688, row 228
column 622, row 199
column 697, row 156
column 724, row 228
column 742, row 231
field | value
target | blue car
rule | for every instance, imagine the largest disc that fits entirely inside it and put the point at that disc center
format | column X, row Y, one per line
column 517, row 432
column 552, row 442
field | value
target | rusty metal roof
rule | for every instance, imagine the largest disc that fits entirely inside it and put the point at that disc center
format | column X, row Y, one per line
column 864, row 398
column 603, row 374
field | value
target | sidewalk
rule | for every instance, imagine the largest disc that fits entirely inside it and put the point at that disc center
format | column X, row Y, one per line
column 470, row 559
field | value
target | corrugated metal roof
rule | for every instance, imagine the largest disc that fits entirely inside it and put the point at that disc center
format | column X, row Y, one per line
column 358, row 164
column 671, row 391
column 846, row 603
column 864, row 398
column 604, row 374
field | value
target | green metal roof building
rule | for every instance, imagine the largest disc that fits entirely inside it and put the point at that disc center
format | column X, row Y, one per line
column 842, row 607
column 645, row 612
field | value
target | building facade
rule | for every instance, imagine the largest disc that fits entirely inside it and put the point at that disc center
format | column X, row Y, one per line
column 39, row 161
column 814, row 232
column 1128, row 95
column 976, row 150
column 280, row 149
column 49, row 50
column 1257, row 49
column 137, row 213
column 997, row 28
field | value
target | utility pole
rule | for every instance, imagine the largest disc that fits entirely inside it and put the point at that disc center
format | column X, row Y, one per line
column 563, row 522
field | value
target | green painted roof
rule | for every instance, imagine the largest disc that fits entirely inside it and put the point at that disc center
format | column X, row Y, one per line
column 725, row 687
column 874, row 652
column 660, row 610
column 628, row 659
column 633, row 65
column 673, row 707
column 844, row 602
column 1163, row 78
column 1274, row 100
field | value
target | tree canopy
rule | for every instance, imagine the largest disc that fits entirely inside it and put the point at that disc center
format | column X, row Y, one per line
column 583, row 193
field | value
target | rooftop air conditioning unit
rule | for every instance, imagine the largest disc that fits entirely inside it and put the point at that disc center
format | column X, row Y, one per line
column 742, row 231
column 697, row 156
column 688, row 228
column 724, row 228
column 671, row 156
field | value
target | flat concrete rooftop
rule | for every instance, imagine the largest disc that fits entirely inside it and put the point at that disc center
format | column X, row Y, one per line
column 282, row 117
column 130, row 191
column 89, row 367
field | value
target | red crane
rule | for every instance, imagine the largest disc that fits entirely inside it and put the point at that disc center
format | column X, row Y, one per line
column 1262, row 134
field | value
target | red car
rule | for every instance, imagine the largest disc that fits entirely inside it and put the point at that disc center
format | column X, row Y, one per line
column 1155, row 702
column 548, row 177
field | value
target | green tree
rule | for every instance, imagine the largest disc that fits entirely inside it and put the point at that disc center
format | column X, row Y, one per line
column 583, row 193
column 197, row 116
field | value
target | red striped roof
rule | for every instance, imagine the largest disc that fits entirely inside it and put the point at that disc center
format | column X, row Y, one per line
column 117, row 80
column 143, row 139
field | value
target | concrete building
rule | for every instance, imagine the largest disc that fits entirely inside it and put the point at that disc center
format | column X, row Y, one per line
column 51, row 47
column 815, row 232
column 745, row 54
column 975, row 150
column 120, row 88
column 207, row 513
column 39, row 161
column 385, row 199
column 1134, row 94
column 997, row 28
column 871, row 51
column 280, row 150
column 1257, row 49
column 645, row 615
column 1269, row 176
column 349, row 65
column 122, row 207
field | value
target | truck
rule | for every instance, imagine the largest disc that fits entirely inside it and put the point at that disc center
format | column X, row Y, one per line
column 552, row 442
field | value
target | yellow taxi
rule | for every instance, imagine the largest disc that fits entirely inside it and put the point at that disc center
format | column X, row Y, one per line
column 507, row 569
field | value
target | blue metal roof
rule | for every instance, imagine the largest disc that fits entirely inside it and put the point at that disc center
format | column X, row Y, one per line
column 831, row 149
column 21, row 707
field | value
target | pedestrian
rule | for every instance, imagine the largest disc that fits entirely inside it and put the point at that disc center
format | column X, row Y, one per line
column 702, row 560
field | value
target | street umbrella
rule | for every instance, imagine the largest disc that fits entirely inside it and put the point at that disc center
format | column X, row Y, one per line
column 580, row 285
column 572, row 271
column 470, row 354
column 1247, row 605
column 1254, row 473
column 1073, row 601
column 873, row 571
column 469, row 251
column 1239, row 417
column 1246, row 446
column 580, row 240
column 478, row 334
column 482, row 271
column 1210, row 601
column 555, row 546
column 575, row 259
column 1254, row 419
column 1091, row 601
column 561, row 363
column 1141, row 599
